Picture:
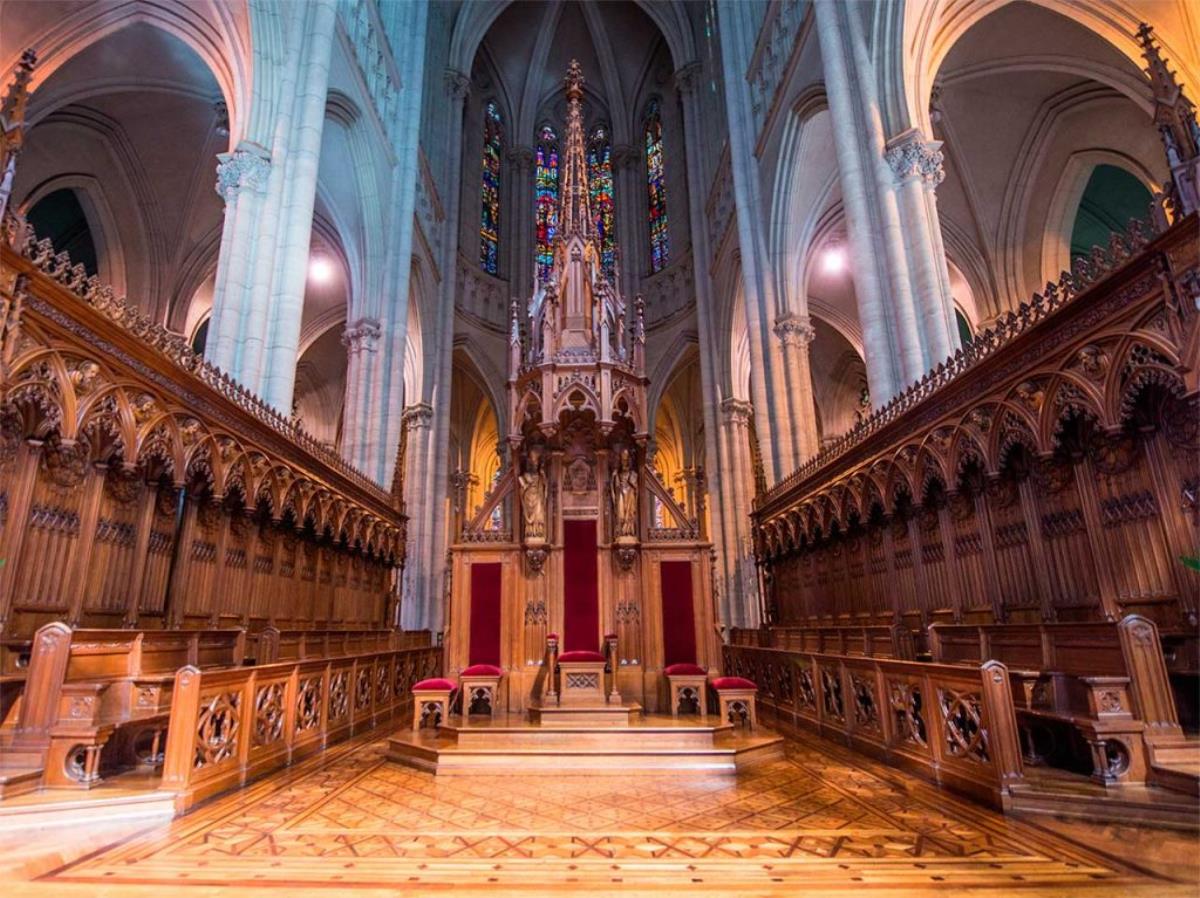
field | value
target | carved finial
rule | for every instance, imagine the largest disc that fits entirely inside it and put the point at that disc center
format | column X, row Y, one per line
column 575, row 216
column 12, row 123
column 574, row 81
column 1175, row 118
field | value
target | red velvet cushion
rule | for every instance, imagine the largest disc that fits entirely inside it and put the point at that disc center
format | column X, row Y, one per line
column 580, row 655
column 733, row 683
column 438, row 684
column 684, row 670
column 482, row 670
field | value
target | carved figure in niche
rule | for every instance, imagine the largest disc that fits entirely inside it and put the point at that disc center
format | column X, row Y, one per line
column 533, row 498
column 624, row 489
column 579, row 476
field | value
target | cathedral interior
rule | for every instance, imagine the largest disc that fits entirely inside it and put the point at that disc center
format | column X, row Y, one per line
column 723, row 447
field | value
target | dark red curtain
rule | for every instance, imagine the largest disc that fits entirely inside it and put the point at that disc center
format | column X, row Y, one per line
column 679, row 622
column 581, row 599
column 485, row 613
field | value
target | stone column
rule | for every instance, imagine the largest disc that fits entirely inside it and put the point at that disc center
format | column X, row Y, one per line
column 710, row 341
column 627, row 166
column 361, row 339
column 432, row 548
column 743, row 582
column 796, row 333
column 917, row 166
column 280, row 341
column 521, row 234
column 761, row 303
column 416, row 420
column 242, row 183
column 263, row 263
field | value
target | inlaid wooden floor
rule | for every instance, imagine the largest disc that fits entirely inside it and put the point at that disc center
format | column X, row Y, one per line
column 820, row 818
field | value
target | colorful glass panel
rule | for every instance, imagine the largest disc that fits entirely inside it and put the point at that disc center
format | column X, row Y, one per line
column 489, row 216
column 656, row 183
column 600, row 197
column 545, row 187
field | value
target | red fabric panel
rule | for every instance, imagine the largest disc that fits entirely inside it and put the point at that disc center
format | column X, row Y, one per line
column 581, row 602
column 485, row 613
column 679, row 622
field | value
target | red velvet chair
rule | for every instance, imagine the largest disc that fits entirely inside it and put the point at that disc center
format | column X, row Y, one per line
column 431, row 701
column 480, row 684
column 735, row 699
column 687, row 683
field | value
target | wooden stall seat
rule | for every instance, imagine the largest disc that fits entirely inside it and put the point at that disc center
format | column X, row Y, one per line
column 88, row 689
column 735, row 700
column 688, row 684
column 1101, row 684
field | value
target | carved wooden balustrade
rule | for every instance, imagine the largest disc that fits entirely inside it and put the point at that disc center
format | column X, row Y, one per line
column 141, row 487
column 229, row 726
column 952, row 724
column 1049, row 471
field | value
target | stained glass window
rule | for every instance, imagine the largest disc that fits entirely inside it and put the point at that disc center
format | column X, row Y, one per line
column 489, row 216
column 600, row 195
column 545, row 187
column 656, row 183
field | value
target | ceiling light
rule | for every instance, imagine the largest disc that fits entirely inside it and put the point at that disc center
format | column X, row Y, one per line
column 320, row 270
column 833, row 260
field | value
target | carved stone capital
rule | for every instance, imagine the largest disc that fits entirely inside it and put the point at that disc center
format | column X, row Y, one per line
column 458, row 85
column 418, row 416
column 911, row 156
column 625, row 155
column 737, row 412
column 687, row 78
column 521, row 157
column 362, row 335
column 246, row 168
column 795, row 330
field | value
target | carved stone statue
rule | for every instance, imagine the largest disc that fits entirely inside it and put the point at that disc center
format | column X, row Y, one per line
column 533, row 499
column 624, row 489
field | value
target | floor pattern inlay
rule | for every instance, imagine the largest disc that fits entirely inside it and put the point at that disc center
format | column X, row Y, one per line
column 353, row 818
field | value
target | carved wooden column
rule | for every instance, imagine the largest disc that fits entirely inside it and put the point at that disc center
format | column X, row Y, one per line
column 22, row 468
column 147, row 501
column 75, row 582
column 1085, row 483
column 1033, row 531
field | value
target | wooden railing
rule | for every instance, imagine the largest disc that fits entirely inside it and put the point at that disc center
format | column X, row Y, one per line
column 144, row 488
column 1049, row 471
column 229, row 726
column 952, row 724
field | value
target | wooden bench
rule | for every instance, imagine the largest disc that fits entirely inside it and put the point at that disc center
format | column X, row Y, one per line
column 1104, row 682
column 876, row 640
column 88, row 689
column 274, row 645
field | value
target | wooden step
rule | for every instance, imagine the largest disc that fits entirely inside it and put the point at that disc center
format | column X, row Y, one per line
column 18, row 781
column 601, row 715
column 1065, row 794
column 585, row 736
column 652, row 745
column 53, row 807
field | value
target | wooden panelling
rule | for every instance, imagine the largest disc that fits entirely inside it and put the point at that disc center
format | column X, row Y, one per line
column 1047, row 473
